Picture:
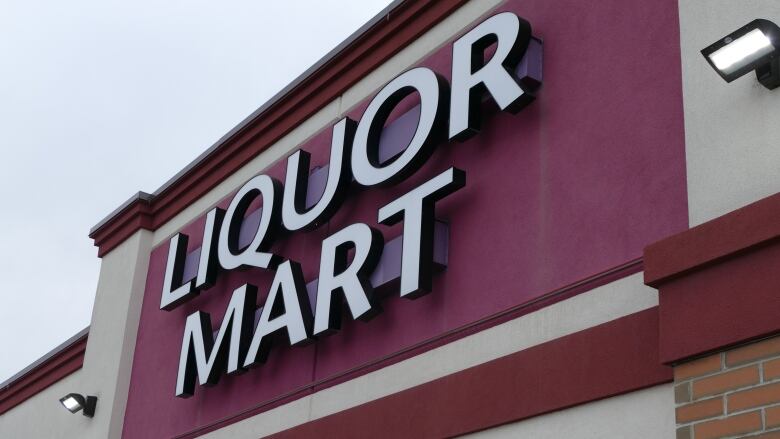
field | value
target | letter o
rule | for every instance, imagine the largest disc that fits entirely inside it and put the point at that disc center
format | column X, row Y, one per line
column 434, row 97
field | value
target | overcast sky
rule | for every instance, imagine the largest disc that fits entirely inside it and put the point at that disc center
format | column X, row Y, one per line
column 100, row 99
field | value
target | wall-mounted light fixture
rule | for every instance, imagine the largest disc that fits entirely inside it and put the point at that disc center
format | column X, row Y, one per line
column 753, row 47
column 75, row 402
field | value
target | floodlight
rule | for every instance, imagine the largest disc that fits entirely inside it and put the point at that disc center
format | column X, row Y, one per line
column 753, row 47
column 75, row 402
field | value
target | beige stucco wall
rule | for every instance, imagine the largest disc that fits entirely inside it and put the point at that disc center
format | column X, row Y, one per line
column 731, row 130
column 604, row 304
column 107, row 361
column 43, row 417
column 365, row 88
column 730, row 163
column 645, row 414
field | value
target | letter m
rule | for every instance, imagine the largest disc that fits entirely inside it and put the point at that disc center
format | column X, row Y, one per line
column 206, row 357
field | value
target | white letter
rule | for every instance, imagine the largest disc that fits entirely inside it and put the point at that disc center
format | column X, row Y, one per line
column 292, row 313
column 297, row 180
column 471, row 76
column 230, row 255
column 201, row 355
column 174, row 292
column 434, row 93
column 208, row 264
column 417, row 209
column 340, row 279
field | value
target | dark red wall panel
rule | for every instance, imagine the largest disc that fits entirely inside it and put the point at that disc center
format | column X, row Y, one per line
column 728, row 303
column 596, row 363
column 719, row 281
column 48, row 372
column 402, row 25
column 571, row 188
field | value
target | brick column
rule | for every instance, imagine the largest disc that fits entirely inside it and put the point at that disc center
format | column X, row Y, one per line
column 732, row 393
column 719, row 322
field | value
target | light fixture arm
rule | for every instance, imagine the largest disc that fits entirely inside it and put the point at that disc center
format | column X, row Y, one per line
column 769, row 74
column 89, row 406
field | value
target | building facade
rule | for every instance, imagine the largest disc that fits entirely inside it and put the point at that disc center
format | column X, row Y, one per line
column 481, row 218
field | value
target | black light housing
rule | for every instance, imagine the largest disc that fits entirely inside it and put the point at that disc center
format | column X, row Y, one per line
column 75, row 402
column 753, row 47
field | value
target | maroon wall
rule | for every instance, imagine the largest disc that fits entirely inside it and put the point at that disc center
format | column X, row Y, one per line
column 717, row 282
column 574, row 185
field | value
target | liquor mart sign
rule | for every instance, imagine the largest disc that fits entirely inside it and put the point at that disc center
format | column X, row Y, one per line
column 446, row 111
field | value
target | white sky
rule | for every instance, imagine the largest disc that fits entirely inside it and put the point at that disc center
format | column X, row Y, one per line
column 100, row 99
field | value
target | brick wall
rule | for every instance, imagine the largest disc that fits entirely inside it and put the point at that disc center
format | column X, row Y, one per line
column 731, row 394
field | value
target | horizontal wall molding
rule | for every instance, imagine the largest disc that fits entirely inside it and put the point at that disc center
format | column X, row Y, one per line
column 587, row 284
column 718, row 282
column 55, row 366
column 729, row 235
column 607, row 360
column 382, row 38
